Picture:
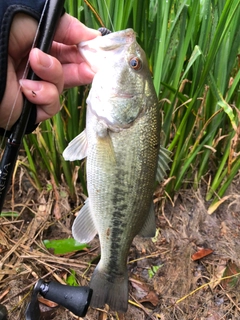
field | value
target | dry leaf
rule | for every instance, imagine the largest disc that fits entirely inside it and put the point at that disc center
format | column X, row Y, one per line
column 201, row 254
column 214, row 206
column 230, row 270
column 218, row 274
column 152, row 298
column 141, row 290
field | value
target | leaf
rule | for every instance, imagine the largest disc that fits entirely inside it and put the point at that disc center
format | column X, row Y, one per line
column 218, row 274
column 201, row 254
column 9, row 214
column 230, row 270
column 63, row 246
column 155, row 238
column 140, row 289
column 71, row 279
column 229, row 111
column 195, row 54
column 214, row 206
column 151, row 297
column 153, row 270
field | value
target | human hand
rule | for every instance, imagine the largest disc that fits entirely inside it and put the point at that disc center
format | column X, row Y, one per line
column 63, row 68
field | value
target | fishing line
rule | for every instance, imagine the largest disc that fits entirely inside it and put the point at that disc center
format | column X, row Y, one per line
column 24, row 76
column 98, row 16
column 109, row 16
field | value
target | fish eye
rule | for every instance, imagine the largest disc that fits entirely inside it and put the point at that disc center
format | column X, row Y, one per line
column 135, row 63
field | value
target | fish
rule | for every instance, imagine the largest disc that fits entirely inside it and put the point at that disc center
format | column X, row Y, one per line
column 121, row 144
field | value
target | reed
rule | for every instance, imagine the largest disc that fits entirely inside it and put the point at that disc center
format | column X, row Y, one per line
column 193, row 49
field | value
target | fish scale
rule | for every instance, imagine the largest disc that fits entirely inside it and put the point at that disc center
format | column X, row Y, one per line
column 122, row 145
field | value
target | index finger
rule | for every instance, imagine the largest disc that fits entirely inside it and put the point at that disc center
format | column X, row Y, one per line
column 72, row 31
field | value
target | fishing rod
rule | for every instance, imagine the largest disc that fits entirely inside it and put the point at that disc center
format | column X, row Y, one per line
column 46, row 31
column 75, row 299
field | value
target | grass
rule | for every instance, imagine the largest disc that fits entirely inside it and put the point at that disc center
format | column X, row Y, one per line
column 193, row 49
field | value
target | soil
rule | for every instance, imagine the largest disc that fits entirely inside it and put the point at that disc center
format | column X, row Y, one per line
column 190, row 270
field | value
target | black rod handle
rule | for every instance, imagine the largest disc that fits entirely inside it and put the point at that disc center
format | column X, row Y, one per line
column 75, row 299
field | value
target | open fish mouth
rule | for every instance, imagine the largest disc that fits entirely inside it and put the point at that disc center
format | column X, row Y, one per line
column 110, row 41
column 98, row 51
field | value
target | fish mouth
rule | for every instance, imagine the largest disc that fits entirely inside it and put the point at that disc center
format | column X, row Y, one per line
column 98, row 51
column 110, row 41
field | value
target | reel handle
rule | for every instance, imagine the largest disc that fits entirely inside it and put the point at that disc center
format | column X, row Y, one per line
column 75, row 299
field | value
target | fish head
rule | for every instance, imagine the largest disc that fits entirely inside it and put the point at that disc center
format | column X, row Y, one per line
column 122, row 87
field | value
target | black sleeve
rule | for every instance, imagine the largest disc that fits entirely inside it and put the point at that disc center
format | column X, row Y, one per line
column 8, row 8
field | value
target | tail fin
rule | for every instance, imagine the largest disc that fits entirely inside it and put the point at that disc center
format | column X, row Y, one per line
column 112, row 290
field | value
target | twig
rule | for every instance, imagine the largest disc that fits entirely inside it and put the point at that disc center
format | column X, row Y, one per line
column 233, row 302
column 69, row 262
column 204, row 285
column 148, row 257
column 139, row 305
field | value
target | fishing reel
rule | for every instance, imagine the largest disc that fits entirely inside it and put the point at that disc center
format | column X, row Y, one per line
column 3, row 312
column 75, row 299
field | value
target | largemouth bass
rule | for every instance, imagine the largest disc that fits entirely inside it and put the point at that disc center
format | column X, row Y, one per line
column 124, row 159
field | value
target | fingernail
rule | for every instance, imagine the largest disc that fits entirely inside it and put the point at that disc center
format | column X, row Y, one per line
column 30, row 84
column 43, row 59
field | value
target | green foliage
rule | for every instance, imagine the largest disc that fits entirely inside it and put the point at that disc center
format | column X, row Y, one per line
column 153, row 270
column 63, row 246
column 11, row 214
column 193, row 48
column 71, row 279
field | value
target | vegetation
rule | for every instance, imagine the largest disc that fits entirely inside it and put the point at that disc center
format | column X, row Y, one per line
column 194, row 54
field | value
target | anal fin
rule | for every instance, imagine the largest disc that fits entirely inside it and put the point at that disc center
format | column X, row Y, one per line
column 83, row 228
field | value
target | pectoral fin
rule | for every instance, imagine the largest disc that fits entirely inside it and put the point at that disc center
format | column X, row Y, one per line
column 149, row 228
column 83, row 228
column 105, row 146
column 77, row 148
column 163, row 161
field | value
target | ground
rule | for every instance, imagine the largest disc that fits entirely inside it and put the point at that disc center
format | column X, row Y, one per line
column 169, row 276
